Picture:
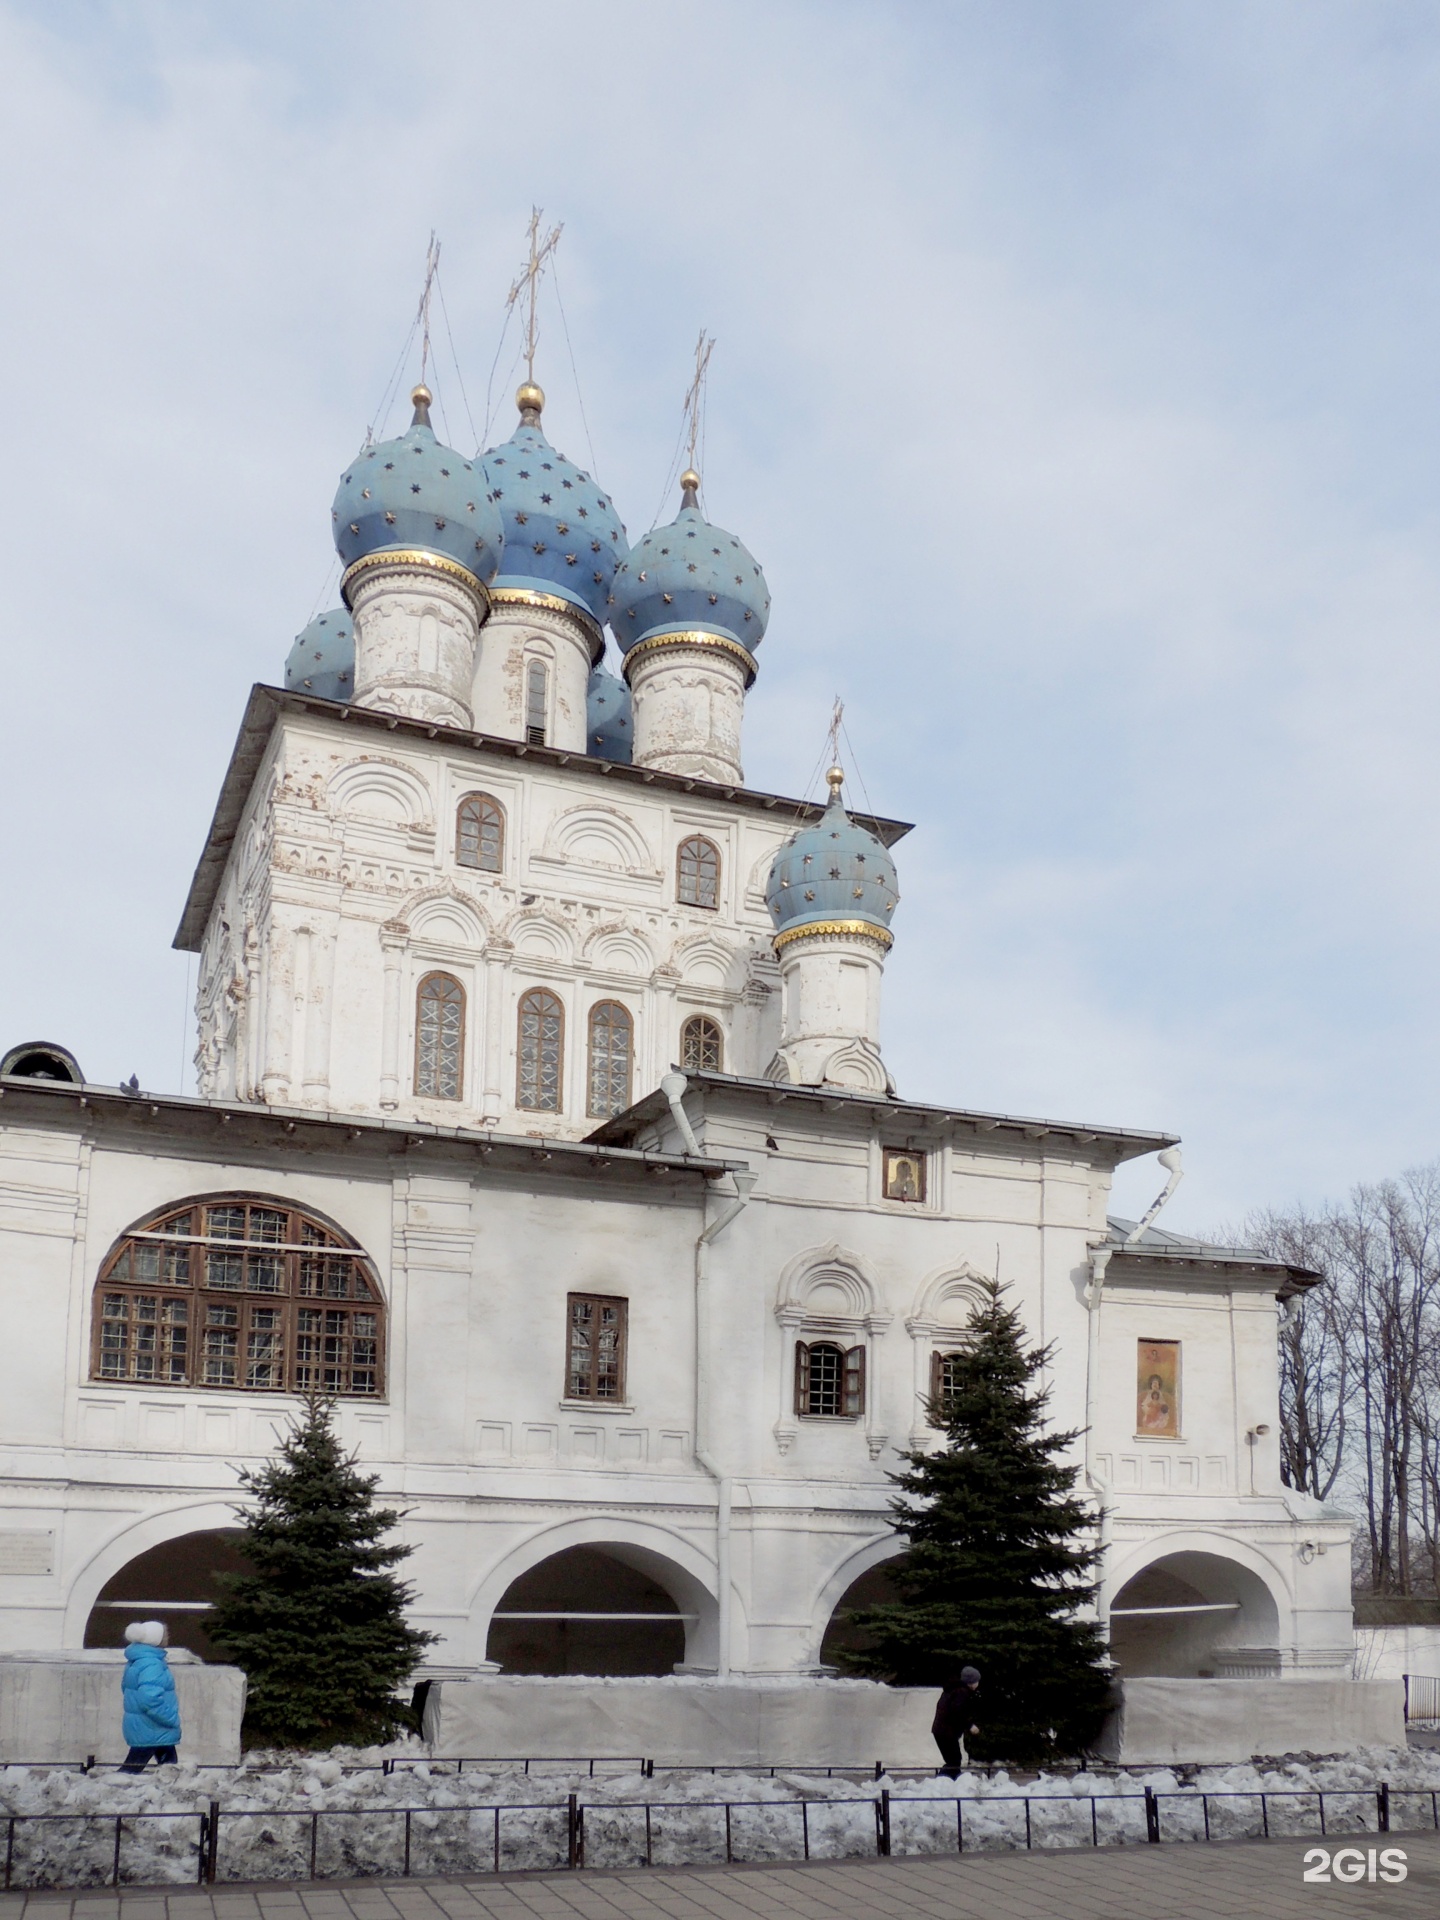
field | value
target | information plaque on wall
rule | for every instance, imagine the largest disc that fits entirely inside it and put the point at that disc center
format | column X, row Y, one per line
column 31, row 1551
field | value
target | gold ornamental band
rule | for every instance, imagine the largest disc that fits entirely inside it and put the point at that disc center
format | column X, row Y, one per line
column 846, row 929
column 424, row 562
column 717, row 641
column 552, row 603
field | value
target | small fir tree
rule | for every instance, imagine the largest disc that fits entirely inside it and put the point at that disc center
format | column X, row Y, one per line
column 1001, row 1555
column 319, row 1624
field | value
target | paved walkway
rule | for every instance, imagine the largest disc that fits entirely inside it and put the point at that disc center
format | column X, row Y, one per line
column 1240, row 1880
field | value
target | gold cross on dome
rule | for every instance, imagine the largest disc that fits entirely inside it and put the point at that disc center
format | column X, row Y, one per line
column 529, row 284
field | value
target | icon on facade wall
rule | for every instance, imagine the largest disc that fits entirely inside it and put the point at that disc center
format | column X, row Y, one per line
column 1157, row 1409
column 904, row 1175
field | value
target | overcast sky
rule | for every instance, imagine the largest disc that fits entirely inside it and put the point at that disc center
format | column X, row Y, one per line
column 1076, row 387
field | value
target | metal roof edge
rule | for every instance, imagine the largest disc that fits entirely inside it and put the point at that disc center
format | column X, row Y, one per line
column 1133, row 1142
column 290, row 1120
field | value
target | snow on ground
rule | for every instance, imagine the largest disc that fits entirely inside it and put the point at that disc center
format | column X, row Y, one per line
column 268, row 1806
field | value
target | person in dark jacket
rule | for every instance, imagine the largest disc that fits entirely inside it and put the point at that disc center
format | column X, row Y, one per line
column 956, row 1714
column 151, row 1724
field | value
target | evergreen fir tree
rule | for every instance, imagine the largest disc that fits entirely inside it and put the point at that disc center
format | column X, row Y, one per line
column 319, row 1624
column 1000, row 1557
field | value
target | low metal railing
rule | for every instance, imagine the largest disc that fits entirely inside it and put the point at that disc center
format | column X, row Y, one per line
column 317, row 1843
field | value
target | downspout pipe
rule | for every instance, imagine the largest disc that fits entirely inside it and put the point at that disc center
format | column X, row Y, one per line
column 1099, row 1261
column 673, row 1086
column 744, row 1180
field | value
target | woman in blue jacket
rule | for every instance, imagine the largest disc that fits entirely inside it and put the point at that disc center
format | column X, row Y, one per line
column 152, row 1713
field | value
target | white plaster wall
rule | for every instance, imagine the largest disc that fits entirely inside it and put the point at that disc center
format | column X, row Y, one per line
column 344, row 891
column 1385, row 1653
column 473, row 1438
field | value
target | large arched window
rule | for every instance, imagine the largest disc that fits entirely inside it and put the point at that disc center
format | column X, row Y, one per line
column 537, row 701
column 539, row 1080
column 697, row 872
column 480, row 833
column 612, row 1050
column 702, row 1047
column 440, row 1037
column 243, row 1293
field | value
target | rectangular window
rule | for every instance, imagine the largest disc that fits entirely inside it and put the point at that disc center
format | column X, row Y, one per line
column 537, row 692
column 143, row 1337
column 944, row 1371
column 595, row 1368
column 829, row 1380
column 336, row 1351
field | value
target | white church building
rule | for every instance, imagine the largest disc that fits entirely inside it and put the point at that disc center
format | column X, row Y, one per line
column 543, row 1120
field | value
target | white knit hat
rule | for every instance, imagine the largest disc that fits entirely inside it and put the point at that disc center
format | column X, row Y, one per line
column 148, row 1633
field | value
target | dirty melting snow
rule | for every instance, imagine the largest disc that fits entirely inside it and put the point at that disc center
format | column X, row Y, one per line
column 267, row 1804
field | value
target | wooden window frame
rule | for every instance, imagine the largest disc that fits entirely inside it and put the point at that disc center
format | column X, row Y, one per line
column 692, row 1027
column 435, row 1093
column 937, row 1370
column 485, row 810
column 695, row 877
column 588, row 1391
column 537, row 674
column 849, row 1394
column 220, row 1265
column 526, row 1106
column 601, row 1106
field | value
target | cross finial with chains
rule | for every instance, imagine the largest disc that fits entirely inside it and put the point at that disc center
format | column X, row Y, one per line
column 694, row 417
column 528, row 284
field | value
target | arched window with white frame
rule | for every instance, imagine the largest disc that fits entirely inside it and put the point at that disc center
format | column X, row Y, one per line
column 697, row 872
column 480, row 833
column 540, row 1077
column 702, row 1045
column 612, row 1055
column 440, row 1037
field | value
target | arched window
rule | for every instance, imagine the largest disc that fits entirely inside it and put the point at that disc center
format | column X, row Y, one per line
column 480, row 833
column 829, row 1380
column 540, row 1079
column 243, row 1293
column 697, row 872
column 440, row 1037
column 537, row 701
column 612, row 1049
column 702, row 1048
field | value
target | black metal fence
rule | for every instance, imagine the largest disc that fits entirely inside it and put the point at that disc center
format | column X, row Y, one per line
column 231, row 1845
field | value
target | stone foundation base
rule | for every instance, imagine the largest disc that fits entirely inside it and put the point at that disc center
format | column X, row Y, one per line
column 1159, row 1722
column 684, row 1721
column 66, row 1706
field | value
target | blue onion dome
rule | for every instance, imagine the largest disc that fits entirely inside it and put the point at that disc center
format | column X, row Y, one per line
column 322, row 660
column 832, row 871
column 689, row 576
column 609, row 730
column 562, row 533
column 415, row 492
